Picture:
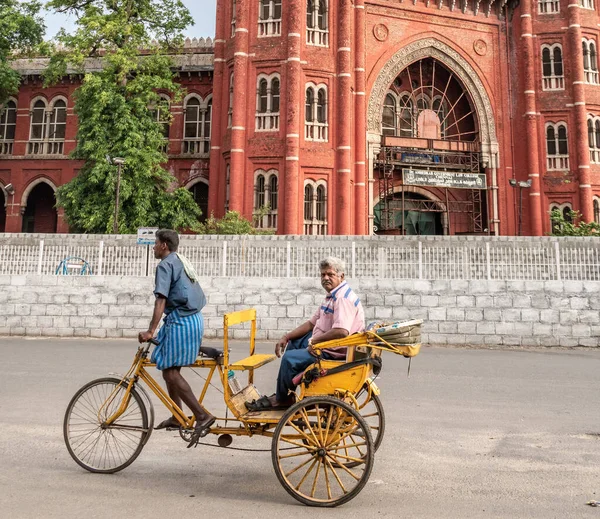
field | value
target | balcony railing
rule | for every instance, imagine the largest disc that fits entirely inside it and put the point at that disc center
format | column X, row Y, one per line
column 269, row 27
column 315, row 227
column 595, row 156
column 267, row 122
column 316, row 132
column 199, row 147
column 318, row 37
column 554, row 83
column 47, row 147
column 558, row 163
column 549, row 6
column 591, row 77
column 6, row 147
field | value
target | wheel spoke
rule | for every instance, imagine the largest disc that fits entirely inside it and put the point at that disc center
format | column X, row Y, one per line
column 303, row 464
column 315, row 461
column 342, row 466
column 314, row 486
column 336, row 476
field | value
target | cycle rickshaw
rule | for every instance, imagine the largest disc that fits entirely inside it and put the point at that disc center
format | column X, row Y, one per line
column 322, row 447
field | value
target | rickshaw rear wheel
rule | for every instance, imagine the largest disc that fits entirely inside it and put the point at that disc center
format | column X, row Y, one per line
column 311, row 451
column 371, row 409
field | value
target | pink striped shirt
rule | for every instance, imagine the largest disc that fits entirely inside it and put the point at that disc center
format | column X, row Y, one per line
column 340, row 309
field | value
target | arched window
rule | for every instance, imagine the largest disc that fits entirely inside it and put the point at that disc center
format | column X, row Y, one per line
column 267, row 102
column 548, row 6
column 269, row 18
column 596, row 210
column 439, row 110
column 308, row 203
column 593, row 127
column 557, row 147
column 565, row 212
column 316, row 125
column 317, row 23
column 315, row 207
column 233, row 15
column 266, row 198
column 406, row 116
column 552, row 67
column 230, row 109
column 197, row 126
column 590, row 61
column 8, row 125
column 389, row 115
column 48, row 128
column 160, row 113
column 227, row 182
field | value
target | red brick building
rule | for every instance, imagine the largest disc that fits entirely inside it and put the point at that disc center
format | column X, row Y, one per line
column 348, row 117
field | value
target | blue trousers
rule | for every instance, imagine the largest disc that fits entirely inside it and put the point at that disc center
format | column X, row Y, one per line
column 294, row 361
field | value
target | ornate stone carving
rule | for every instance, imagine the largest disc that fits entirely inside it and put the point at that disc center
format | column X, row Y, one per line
column 480, row 47
column 432, row 48
column 381, row 32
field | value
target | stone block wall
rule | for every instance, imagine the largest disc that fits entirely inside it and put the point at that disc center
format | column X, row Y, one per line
column 512, row 313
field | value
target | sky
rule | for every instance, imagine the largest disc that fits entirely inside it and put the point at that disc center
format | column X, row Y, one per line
column 203, row 12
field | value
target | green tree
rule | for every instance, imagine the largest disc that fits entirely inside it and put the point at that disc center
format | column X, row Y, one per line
column 21, row 32
column 231, row 223
column 123, row 47
column 573, row 225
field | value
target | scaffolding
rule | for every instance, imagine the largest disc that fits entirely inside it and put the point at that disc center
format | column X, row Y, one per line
column 399, row 153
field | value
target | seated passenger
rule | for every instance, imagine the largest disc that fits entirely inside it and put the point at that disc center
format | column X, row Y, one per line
column 340, row 314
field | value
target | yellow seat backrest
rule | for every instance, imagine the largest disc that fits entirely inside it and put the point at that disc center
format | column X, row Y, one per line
column 351, row 380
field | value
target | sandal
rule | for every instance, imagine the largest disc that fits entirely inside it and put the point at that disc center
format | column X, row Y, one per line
column 264, row 404
column 201, row 430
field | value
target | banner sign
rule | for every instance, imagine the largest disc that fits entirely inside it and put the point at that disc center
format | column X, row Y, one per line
column 419, row 177
column 146, row 235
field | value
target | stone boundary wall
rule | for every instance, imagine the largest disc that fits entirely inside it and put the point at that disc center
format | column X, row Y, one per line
column 479, row 312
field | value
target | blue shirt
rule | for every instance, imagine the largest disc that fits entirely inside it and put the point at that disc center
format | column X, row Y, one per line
column 173, row 284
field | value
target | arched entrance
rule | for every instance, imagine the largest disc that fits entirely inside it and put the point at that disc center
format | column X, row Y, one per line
column 200, row 193
column 413, row 214
column 40, row 214
column 430, row 124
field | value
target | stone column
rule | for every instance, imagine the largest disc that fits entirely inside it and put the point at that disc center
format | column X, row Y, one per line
column 343, row 198
column 290, row 221
column 220, row 106
column 360, row 121
column 579, row 136
column 240, row 96
column 528, row 52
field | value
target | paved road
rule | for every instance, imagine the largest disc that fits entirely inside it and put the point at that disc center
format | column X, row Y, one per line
column 471, row 433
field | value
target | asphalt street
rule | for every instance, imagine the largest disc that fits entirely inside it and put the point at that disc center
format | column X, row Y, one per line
column 471, row 433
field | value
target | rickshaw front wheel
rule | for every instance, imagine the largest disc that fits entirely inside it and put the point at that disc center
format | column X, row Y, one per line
column 313, row 444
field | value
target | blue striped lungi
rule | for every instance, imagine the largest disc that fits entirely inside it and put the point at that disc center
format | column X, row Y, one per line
column 179, row 340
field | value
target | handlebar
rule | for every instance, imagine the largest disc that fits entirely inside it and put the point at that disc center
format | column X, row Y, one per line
column 153, row 341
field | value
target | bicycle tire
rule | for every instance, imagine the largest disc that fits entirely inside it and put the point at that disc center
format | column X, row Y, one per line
column 98, row 448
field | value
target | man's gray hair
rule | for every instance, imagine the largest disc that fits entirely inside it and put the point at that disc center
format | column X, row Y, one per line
column 334, row 263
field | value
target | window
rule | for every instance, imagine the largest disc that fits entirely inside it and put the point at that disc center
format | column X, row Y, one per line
column 548, row 6
column 315, row 207
column 48, row 128
column 565, row 210
column 233, row 15
column 265, row 198
column 593, row 127
column 586, row 4
column 557, row 147
column 160, row 113
column 267, row 103
column 316, row 126
column 8, row 125
column 227, row 182
column 590, row 61
column 596, row 210
column 269, row 18
column 552, row 67
column 230, row 109
column 317, row 23
column 197, row 125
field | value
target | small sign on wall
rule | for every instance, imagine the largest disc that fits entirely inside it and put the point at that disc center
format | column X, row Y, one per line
column 146, row 235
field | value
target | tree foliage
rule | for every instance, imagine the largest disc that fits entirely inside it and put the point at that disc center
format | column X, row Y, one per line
column 231, row 223
column 21, row 32
column 573, row 225
column 123, row 48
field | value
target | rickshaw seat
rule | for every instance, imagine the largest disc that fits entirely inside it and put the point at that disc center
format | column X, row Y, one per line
column 252, row 362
